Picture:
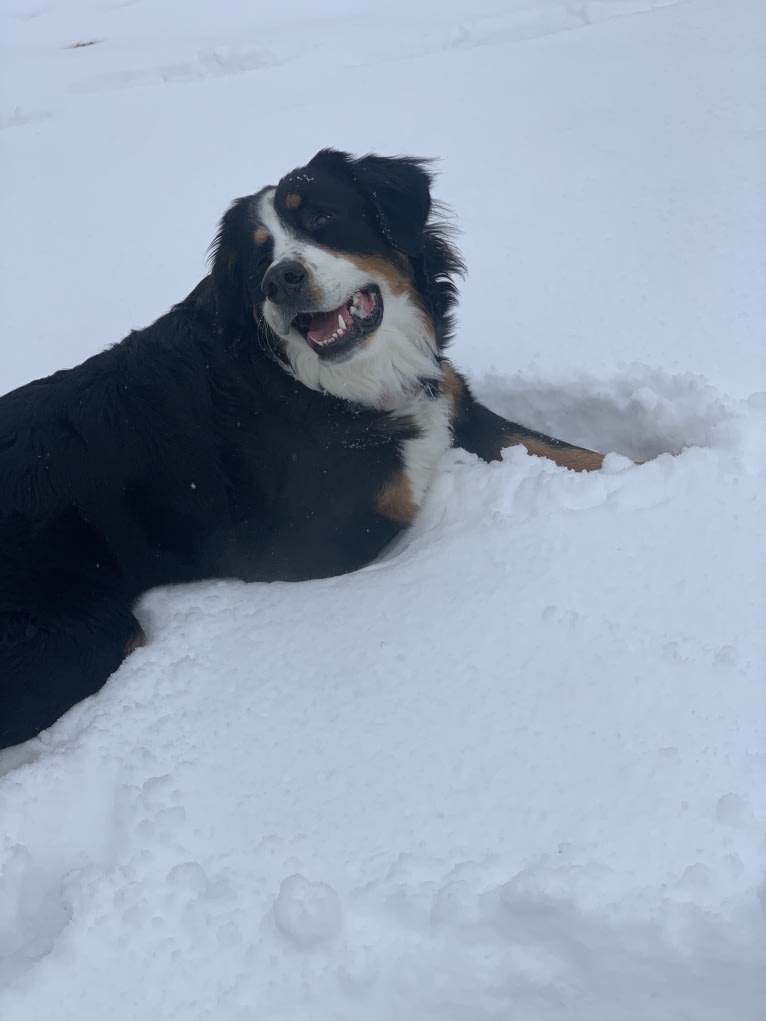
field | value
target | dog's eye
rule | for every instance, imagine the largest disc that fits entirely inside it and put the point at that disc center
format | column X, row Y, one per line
column 315, row 221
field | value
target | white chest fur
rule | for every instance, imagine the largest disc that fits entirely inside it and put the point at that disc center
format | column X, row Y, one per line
column 402, row 497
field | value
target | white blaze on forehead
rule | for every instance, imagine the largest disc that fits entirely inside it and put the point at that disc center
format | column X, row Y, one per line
column 280, row 232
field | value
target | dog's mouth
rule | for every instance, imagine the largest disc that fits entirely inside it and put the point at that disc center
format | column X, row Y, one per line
column 337, row 331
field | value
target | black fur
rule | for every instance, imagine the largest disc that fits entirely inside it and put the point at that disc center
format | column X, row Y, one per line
column 187, row 452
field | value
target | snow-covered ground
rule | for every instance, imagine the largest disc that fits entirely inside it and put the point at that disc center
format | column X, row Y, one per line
column 516, row 769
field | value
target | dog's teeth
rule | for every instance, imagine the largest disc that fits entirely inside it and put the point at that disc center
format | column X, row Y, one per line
column 340, row 332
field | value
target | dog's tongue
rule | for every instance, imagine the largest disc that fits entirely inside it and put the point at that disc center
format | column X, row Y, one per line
column 324, row 324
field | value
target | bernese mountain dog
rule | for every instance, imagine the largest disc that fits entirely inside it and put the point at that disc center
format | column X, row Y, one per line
column 282, row 422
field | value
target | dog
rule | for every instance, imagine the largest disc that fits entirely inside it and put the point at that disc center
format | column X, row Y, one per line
column 282, row 422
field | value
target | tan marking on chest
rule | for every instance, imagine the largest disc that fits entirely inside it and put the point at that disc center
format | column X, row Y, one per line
column 397, row 501
column 137, row 641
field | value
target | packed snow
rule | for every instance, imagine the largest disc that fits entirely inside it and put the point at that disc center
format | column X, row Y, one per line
column 516, row 769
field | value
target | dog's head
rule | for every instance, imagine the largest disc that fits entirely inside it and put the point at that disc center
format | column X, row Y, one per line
column 341, row 272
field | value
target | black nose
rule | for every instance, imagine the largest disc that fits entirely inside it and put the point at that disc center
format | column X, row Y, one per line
column 283, row 281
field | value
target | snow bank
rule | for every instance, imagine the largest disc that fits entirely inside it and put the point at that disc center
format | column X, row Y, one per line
column 517, row 767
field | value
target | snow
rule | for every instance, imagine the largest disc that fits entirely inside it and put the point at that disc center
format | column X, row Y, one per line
column 516, row 768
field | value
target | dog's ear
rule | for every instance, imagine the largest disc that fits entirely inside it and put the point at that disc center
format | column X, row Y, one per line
column 230, row 293
column 399, row 188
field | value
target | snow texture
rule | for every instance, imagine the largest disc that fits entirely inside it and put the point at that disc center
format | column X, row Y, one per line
column 517, row 768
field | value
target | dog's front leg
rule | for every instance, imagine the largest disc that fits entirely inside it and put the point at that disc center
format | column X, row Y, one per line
column 477, row 429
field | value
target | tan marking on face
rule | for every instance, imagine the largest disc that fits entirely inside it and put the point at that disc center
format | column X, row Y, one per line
column 577, row 458
column 261, row 236
column 398, row 277
column 397, row 502
column 293, row 200
column 451, row 385
column 137, row 641
column 400, row 280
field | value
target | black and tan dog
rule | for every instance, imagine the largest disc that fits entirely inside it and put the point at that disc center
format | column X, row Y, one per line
column 283, row 422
